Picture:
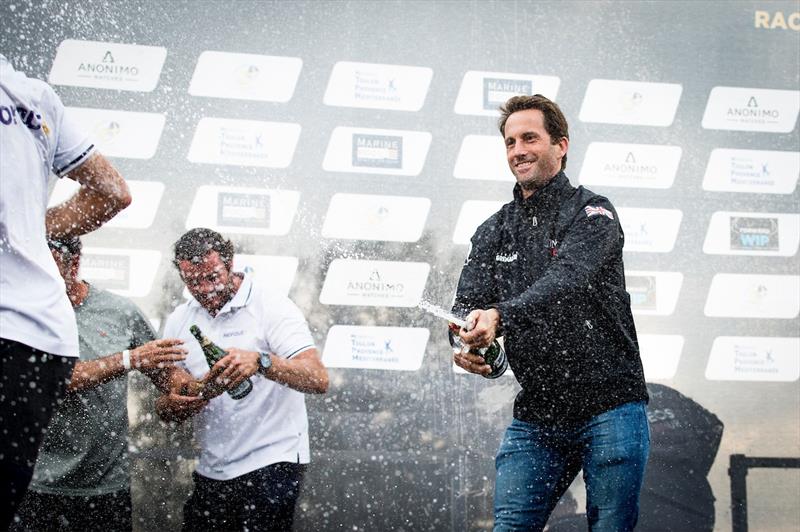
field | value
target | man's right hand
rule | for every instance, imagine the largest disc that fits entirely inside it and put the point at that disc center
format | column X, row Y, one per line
column 157, row 354
column 176, row 407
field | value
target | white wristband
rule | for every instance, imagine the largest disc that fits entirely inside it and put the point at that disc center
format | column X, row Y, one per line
column 126, row 360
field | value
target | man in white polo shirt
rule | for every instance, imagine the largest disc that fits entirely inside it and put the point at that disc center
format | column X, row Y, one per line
column 254, row 449
column 38, row 334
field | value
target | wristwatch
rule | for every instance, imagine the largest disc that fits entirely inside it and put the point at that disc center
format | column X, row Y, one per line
column 265, row 362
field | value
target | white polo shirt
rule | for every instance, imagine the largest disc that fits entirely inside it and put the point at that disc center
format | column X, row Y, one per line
column 35, row 138
column 270, row 424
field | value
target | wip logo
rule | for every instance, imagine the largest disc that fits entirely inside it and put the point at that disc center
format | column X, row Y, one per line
column 777, row 20
column 630, row 167
column 642, row 289
column 496, row 91
column 107, row 131
column 243, row 210
column 630, row 102
column 377, row 151
column 753, row 111
column 107, row 271
column 108, row 65
column 247, row 75
column 754, row 233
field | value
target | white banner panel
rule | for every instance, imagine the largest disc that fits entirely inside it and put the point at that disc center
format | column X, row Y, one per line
column 753, row 358
column 653, row 293
column 472, row 214
column 630, row 165
column 127, row 272
column 743, row 109
column 660, row 355
column 252, row 211
column 734, row 295
column 390, row 348
column 758, row 171
column 274, row 272
column 146, row 197
column 378, row 86
column 368, row 217
column 244, row 142
column 482, row 93
column 374, row 283
column 121, row 133
column 107, row 65
column 636, row 103
column 483, row 157
column 650, row 230
column 753, row 233
column 377, row 151
column 265, row 78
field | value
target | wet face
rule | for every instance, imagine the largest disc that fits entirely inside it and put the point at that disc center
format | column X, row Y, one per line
column 531, row 154
column 209, row 281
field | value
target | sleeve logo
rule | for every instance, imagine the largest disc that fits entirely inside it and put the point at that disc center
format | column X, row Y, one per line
column 591, row 210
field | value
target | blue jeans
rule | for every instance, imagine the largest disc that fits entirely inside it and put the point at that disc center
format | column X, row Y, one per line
column 537, row 462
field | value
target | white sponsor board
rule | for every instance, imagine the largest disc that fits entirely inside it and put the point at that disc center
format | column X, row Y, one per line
column 146, row 197
column 636, row 103
column 660, row 355
column 753, row 233
column 264, row 78
column 653, row 293
column 389, row 348
column 744, row 109
column 121, row 133
column 483, row 157
column 378, row 86
column 368, row 217
column 734, row 295
column 126, row 272
column 472, row 214
column 630, row 165
column 752, row 358
column 253, row 211
column 374, row 283
column 274, row 272
column 244, row 142
column 650, row 230
column 377, row 151
column 482, row 93
column 107, row 65
column 758, row 171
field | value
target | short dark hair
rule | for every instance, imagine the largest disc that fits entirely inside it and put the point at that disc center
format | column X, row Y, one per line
column 196, row 243
column 554, row 121
column 66, row 246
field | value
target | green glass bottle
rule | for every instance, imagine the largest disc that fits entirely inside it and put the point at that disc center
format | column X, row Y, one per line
column 213, row 354
column 494, row 355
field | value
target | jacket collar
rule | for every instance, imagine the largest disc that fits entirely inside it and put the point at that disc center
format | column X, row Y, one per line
column 544, row 196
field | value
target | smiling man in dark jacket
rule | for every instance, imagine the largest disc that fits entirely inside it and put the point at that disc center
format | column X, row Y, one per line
column 546, row 273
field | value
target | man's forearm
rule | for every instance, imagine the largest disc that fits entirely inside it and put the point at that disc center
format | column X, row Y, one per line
column 102, row 195
column 304, row 373
column 91, row 373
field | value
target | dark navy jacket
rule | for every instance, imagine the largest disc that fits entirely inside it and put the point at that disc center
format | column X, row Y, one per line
column 552, row 266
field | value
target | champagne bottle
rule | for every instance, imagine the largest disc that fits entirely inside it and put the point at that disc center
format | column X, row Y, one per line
column 213, row 354
column 494, row 355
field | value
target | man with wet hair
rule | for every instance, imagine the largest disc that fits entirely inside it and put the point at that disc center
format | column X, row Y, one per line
column 253, row 450
column 546, row 273
column 82, row 474
column 38, row 334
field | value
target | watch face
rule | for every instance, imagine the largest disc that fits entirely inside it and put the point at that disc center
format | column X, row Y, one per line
column 265, row 361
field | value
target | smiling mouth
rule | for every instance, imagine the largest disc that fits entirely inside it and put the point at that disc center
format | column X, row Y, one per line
column 523, row 165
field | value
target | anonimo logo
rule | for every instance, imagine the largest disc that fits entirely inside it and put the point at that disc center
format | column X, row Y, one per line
column 108, row 65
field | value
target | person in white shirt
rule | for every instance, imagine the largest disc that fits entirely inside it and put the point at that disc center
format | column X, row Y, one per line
column 38, row 333
column 254, row 450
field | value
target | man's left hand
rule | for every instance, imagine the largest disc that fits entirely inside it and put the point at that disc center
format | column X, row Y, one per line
column 234, row 368
column 484, row 328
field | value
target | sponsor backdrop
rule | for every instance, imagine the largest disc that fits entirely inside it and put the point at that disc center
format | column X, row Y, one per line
column 350, row 149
